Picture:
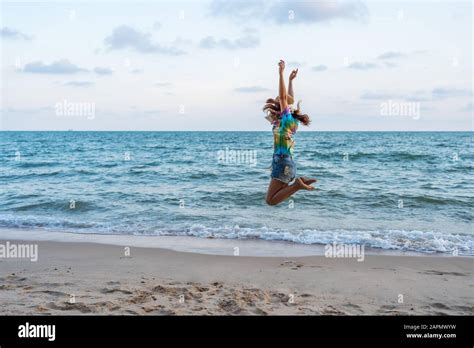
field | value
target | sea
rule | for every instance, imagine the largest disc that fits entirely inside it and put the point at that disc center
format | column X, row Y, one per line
column 399, row 191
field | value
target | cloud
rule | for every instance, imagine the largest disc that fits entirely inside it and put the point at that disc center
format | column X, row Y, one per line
column 319, row 68
column 287, row 11
column 250, row 31
column 420, row 52
column 162, row 84
column 377, row 96
column 251, row 89
column 63, row 66
column 145, row 113
column 248, row 40
column 362, row 66
column 240, row 10
column 443, row 92
column 391, row 55
column 390, row 65
column 295, row 64
column 103, row 71
column 136, row 71
column 79, row 83
column 181, row 41
column 416, row 96
column 469, row 107
column 27, row 110
column 125, row 37
column 8, row 33
column 152, row 111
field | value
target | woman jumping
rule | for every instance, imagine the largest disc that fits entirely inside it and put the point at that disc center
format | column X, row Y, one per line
column 285, row 122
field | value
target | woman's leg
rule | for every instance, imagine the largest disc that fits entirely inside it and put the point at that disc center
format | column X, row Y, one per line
column 279, row 191
column 274, row 187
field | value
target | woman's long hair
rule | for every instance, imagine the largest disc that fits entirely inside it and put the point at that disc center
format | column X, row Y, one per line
column 273, row 110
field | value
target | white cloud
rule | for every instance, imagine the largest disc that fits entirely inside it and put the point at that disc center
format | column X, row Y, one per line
column 469, row 107
column 319, row 68
column 433, row 95
column 240, row 10
column 103, row 71
column 251, row 89
column 63, row 66
column 79, row 83
column 248, row 40
column 12, row 34
column 295, row 64
column 125, row 37
column 447, row 92
column 378, row 95
column 286, row 11
column 391, row 55
column 390, row 65
column 363, row 66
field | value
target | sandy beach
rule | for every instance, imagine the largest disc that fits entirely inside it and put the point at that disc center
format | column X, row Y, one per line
column 98, row 279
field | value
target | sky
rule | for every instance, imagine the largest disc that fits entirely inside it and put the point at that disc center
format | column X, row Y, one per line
column 210, row 65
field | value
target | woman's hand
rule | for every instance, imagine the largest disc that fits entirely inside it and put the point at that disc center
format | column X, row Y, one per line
column 293, row 74
column 281, row 66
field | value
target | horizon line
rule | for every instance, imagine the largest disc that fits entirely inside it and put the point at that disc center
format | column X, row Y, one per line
column 250, row 131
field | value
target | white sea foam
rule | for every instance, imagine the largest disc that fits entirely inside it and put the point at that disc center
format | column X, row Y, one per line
column 399, row 240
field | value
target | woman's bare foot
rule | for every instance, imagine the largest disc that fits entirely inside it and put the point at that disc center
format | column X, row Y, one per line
column 302, row 185
column 308, row 181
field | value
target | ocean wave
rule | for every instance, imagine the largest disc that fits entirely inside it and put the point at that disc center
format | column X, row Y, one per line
column 55, row 206
column 401, row 240
column 433, row 200
column 238, row 198
column 409, row 156
column 108, row 165
column 156, row 147
column 82, row 172
column 201, row 175
column 361, row 155
column 26, row 164
column 18, row 221
column 395, row 240
column 32, row 175
column 385, row 200
column 143, row 171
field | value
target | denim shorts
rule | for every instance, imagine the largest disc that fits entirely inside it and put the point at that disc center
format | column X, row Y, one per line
column 283, row 168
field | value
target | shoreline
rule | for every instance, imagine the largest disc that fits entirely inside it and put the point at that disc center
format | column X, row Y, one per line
column 198, row 245
column 102, row 279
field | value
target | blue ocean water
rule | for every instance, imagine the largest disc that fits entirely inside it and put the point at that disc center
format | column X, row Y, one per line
column 392, row 190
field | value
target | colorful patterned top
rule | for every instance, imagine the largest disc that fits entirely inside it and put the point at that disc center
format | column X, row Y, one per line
column 283, row 131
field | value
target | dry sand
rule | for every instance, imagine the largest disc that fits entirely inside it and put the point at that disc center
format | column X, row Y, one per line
column 155, row 281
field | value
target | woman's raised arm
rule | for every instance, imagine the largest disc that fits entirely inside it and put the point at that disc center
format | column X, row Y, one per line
column 290, row 83
column 281, row 87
